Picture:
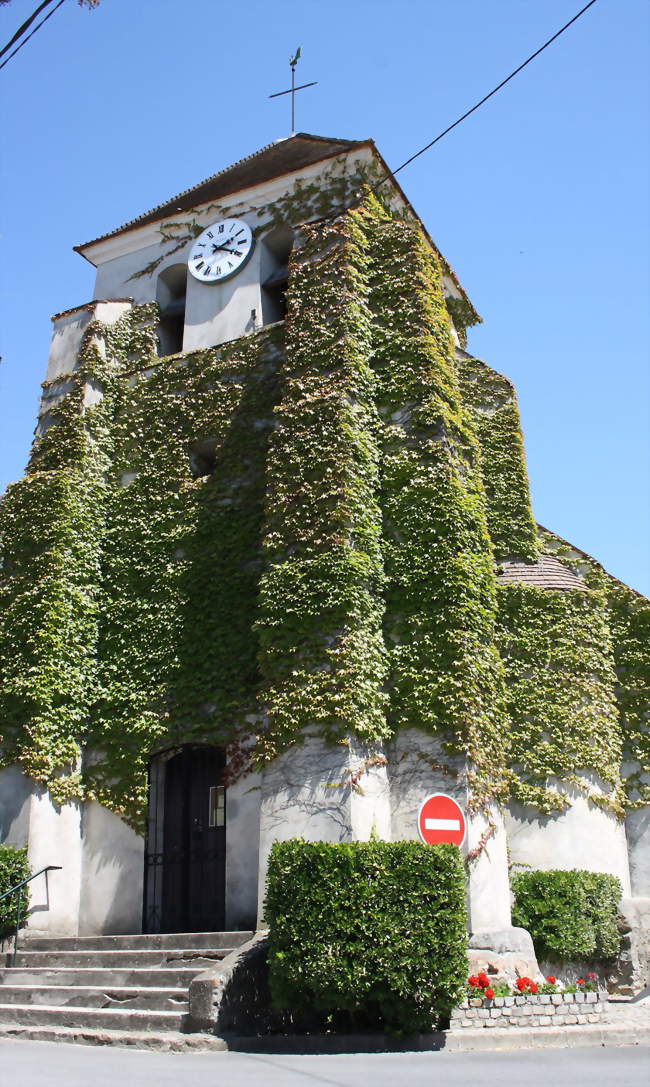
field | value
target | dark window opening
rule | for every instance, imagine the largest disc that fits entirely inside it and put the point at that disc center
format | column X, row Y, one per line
column 277, row 246
column 170, row 296
column 274, row 297
column 203, row 457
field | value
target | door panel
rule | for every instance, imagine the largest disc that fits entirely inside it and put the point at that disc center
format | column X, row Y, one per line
column 186, row 847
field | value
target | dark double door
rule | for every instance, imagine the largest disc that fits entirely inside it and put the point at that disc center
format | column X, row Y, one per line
column 185, row 859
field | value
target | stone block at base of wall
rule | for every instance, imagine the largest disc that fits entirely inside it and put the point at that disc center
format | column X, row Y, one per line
column 544, row 1010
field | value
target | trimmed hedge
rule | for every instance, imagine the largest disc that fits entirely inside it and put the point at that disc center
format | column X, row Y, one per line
column 13, row 868
column 570, row 915
column 367, row 933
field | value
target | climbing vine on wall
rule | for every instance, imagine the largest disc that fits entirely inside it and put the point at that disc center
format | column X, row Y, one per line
column 556, row 648
column 297, row 530
column 445, row 674
column 181, row 559
column 52, row 525
column 629, row 620
column 492, row 402
column 322, row 654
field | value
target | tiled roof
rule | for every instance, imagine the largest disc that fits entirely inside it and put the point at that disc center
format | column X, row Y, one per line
column 282, row 157
column 546, row 573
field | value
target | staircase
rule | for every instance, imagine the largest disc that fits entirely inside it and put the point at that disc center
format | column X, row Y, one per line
column 109, row 989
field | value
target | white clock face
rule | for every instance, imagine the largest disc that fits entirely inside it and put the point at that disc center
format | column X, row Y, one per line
column 221, row 251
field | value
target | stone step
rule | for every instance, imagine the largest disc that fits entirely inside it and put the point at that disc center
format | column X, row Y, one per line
column 143, row 978
column 95, row 996
column 168, row 1041
column 137, row 942
column 137, row 1019
column 167, row 958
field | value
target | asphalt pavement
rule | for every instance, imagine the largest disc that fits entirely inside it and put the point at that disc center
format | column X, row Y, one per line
column 46, row 1064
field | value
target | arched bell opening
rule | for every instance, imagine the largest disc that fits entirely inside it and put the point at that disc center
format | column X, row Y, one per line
column 171, row 293
column 276, row 252
column 185, row 853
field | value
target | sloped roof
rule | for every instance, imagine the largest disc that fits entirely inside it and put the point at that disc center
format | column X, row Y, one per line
column 275, row 159
column 547, row 573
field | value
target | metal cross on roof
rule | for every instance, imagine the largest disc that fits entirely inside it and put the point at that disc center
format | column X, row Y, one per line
column 292, row 89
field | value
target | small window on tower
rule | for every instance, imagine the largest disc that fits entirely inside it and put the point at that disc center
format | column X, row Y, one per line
column 203, row 457
column 170, row 296
column 276, row 251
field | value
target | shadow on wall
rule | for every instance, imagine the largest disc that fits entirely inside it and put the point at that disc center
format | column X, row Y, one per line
column 15, row 793
column 112, row 874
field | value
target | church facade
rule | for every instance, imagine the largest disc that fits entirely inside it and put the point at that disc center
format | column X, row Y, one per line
column 273, row 571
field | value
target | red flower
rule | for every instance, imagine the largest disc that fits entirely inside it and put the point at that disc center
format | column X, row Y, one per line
column 473, row 981
column 592, row 977
column 533, row 987
column 521, row 984
column 483, row 981
column 551, row 980
column 580, row 981
column 489, row 994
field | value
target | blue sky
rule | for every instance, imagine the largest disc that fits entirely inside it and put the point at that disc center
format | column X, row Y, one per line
column 539, row 200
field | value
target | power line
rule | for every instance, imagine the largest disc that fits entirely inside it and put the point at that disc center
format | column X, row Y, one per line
column 24, row 27
column 503, row 82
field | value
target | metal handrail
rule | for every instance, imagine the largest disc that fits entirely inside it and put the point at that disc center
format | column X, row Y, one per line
column 19, row 890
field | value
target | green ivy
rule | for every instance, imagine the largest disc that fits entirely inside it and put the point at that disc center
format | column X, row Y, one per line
column 629, row 621
column 556, row 648
column 445, row 674
column 334, row 568
column 322, row 656
column 492, row 402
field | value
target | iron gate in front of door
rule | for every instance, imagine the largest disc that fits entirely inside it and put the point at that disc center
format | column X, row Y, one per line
column 185, row 854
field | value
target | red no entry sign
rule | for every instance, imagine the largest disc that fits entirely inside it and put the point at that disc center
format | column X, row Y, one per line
column 441, row 819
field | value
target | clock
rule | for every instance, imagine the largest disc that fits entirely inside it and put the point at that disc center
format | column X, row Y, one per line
column 221, row 251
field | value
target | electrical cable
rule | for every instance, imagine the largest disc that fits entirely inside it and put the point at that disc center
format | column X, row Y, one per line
column 26, row 25
column 391, row 173
column 31, row 34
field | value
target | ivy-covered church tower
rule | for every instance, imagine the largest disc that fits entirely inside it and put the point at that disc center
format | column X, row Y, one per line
column 273, row 571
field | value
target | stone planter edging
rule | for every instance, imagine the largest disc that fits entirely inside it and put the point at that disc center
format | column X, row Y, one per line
column 543, row 1010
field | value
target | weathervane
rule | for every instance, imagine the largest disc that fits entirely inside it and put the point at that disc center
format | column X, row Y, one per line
column 292, row 90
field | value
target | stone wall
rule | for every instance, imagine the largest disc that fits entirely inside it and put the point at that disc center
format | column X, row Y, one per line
column 550, row 1010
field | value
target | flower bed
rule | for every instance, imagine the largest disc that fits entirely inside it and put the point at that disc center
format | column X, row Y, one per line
column 530, row 1003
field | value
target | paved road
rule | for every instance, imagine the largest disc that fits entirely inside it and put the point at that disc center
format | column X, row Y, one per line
column 44, row 1064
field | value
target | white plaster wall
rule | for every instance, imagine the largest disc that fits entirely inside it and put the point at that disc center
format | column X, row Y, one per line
column 117, row 258
column 111, row 874
column 215, row 313
column 218, row 312
column 583, row 836
column 637, row 828
column 54, row 838
column 414, row 773
column 67, row 335
column 15, row 795
column 489, row 896
column 243, row 800
column 306, row 793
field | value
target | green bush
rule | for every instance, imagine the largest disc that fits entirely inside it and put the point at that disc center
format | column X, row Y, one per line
column 13, row 868
column 367, row 933
column 570, row 915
